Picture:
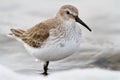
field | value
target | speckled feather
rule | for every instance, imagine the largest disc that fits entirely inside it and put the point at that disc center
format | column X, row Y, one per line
column 36, row 35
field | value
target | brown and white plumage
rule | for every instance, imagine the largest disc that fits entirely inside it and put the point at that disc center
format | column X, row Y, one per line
column 55, row 38
column 36, row 35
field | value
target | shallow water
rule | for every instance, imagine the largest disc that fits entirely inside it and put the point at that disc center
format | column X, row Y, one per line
column 100, row 48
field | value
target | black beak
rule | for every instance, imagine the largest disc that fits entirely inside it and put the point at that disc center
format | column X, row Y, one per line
column 82, row 23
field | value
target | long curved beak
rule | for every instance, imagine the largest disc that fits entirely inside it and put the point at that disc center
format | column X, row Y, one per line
column 82, row 23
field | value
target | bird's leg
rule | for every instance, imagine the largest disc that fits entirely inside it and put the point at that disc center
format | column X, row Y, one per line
column 45, row 68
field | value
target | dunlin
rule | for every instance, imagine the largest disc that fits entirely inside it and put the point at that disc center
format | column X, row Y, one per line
column 53, row 39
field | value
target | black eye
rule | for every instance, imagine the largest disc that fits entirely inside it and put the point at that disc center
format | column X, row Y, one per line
column 67, row 12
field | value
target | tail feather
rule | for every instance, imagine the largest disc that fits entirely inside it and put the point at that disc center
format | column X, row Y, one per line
column 16, row 32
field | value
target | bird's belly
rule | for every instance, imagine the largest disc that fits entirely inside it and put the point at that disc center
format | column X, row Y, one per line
column 55, row 52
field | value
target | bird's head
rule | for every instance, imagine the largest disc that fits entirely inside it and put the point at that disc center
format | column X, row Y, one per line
column 69, row 12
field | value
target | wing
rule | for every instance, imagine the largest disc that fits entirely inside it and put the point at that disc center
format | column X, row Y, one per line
column 36, row 36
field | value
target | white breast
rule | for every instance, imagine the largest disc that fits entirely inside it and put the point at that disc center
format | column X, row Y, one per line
column 58, row 48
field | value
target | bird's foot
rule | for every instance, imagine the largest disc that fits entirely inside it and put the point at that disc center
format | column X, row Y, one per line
column 44, row 73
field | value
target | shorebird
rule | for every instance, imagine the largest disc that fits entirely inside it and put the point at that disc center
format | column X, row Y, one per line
column 53, row 39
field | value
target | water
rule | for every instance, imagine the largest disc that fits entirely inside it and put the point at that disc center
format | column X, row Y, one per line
column 100, row 48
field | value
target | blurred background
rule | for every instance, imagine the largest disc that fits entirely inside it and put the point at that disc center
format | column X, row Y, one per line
column 99, row 48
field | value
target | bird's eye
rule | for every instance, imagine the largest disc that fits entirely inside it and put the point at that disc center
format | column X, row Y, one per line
column 67, row 12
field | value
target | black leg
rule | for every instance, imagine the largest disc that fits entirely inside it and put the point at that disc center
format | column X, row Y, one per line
column 45, row 68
